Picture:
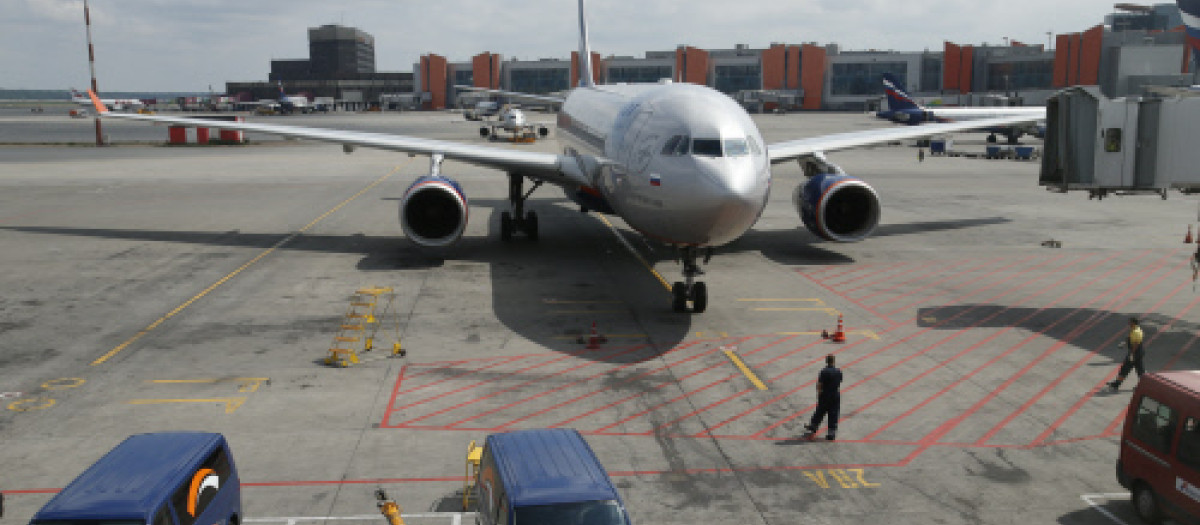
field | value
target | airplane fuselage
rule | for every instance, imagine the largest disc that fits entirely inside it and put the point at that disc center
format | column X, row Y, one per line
column 689, row 165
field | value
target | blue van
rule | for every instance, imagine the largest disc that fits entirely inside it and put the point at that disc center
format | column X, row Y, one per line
column 544, row 476
column 167, row 478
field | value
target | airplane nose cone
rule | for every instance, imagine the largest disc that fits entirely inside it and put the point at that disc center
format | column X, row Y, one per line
column 739, row 194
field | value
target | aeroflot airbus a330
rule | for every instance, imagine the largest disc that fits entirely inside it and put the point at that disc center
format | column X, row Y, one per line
column 682, row 164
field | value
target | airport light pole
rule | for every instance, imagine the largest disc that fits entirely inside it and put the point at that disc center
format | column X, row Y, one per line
column 87, row 20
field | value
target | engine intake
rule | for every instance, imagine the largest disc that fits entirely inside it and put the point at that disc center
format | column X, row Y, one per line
column 433, row 211
column 837, row 207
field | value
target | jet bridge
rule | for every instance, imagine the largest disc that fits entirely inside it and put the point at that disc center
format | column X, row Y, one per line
column 1122, row 146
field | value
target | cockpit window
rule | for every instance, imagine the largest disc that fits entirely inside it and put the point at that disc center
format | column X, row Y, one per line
column 677, row 145
column 736, row 148
column 672, row 143
column 707, row 147
column 754, row 146
column 682, row 149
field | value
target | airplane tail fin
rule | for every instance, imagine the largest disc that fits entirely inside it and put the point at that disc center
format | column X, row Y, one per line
column 585, row 51
column 897, row 97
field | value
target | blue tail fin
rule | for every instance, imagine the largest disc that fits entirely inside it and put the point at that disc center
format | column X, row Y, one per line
column 897, row 97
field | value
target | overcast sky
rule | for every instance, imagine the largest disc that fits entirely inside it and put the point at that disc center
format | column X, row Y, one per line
column 188, row 45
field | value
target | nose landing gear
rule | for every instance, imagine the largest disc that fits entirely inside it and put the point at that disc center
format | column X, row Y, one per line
column 691, row 290
column 518, row 219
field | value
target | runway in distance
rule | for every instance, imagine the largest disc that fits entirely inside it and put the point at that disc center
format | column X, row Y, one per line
column 903, row 109
column 682, row 164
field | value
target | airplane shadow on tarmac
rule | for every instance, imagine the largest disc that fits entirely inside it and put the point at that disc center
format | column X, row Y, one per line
column 1101, row 331
column 576, row 261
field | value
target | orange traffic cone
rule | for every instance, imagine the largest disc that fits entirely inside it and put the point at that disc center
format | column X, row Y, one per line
column 1188, row 239
column 840, row 335
column 594, row 339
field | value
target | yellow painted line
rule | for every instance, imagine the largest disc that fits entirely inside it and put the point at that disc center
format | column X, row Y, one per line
column 702, row 335
column 737, row 361
column 234, row 273
column 818, row 301
column 635, row 253
column 865, row 333
column 231, row 403
column 248, row 384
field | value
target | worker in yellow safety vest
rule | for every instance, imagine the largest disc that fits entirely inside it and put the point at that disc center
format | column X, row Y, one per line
column 1133, row 360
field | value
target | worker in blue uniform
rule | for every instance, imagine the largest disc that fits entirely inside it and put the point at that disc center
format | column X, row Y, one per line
column 829, row 399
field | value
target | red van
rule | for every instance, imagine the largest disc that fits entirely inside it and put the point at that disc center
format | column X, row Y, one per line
column 1160, row 447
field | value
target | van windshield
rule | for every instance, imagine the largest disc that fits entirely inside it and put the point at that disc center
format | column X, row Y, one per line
column 604, row 512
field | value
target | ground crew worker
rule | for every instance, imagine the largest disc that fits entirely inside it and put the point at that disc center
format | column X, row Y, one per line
column 1134, row 359
column 920, row 154
column 829, row 399
column 1195, row 266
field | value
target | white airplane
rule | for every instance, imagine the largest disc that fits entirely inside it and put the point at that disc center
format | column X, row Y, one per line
column 483, row 110
column 513, row 120
column 903, row 109
column 117, row 104
column 682, row 164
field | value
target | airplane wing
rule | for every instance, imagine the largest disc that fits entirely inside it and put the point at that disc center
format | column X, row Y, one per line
column 514, row 94
column 557, row 169
column 795, row 149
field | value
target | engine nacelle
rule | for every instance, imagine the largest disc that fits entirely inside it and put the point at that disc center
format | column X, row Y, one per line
column 433, row 211
column 837, row 207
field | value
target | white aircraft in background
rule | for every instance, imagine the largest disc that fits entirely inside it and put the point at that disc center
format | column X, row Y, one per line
column 903, row 109
column 115, row 104
column 682, row 164
column 512, row 120
column 483, row 110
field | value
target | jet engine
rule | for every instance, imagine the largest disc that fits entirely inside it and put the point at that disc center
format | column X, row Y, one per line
column 433, row 211
column 837, row 207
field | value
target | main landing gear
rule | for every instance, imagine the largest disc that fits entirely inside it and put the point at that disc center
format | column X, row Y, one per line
column 693, row 291
column 519, row 219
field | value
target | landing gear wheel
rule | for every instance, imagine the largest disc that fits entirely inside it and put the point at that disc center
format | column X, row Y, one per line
column 679, row 297
column 1145, row 503
column 506, row 226
column 699, row 297
column 531, row 225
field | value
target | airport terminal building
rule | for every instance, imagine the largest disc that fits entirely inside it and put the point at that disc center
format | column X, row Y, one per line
column 1137, row 46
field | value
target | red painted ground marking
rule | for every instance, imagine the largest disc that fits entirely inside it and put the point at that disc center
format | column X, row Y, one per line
column 921, row 289
column 395, row 389
column 1083, row 327
column 863, row 275
column 643, row 374
column 927, row 300
column 1107, row 377
column 573, row 383
column 467, row 373
column 696, row 391
column 980, row 344
column 848, row 291
column 913, row 336
column 776, row 378
column 1042, row 437
column 1112, row 427
column 434, row 367
column 953, row 422
column 940, row 270
column 854, row 301
column 480, row 383
column 743, row 392
column 509, row 389
column 853, row 268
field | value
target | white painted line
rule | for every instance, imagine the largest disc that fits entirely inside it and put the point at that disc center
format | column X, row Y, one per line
column 10, row 395
column 1091, row 501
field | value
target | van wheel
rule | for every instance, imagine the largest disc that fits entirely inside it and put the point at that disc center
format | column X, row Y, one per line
column 1145, row 503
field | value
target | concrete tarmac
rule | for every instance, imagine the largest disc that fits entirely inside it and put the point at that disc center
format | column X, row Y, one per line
column 150, row 288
